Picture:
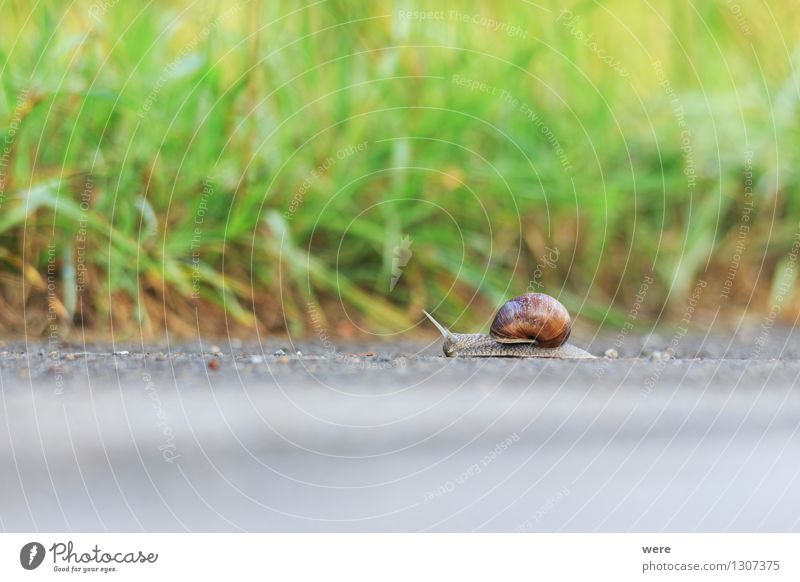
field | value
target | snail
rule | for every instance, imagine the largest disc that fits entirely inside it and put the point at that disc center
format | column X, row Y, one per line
column 533, row 325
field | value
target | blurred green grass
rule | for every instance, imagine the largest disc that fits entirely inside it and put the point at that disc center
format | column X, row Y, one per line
column 199, row 164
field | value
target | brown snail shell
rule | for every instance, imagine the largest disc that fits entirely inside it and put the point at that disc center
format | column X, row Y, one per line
column 532, row 318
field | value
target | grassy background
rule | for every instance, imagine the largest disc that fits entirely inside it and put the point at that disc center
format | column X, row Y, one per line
column 197, row 165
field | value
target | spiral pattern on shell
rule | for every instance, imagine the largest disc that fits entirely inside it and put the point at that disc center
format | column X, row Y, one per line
column 532, row 318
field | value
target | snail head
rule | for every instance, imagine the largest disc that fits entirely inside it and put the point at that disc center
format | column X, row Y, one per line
column 451, row 342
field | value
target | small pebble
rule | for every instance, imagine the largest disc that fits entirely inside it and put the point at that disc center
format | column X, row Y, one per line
column 214, row 364
column 611, row 353
column 279, row 352
column 122, row 353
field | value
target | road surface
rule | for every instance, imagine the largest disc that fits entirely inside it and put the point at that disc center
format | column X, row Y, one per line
column 393, row 437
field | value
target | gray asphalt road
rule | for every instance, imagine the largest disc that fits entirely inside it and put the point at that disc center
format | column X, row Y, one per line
column 400, row 439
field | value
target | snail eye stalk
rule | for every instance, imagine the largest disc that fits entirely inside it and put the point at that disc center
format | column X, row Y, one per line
column 443, row 330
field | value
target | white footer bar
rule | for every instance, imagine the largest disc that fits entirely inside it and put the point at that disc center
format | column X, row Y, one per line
column 400, row 557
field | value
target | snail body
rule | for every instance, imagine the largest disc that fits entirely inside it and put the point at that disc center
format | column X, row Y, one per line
column 533, row 325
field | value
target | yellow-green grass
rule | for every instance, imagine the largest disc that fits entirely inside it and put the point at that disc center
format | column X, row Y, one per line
column 260, row 163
